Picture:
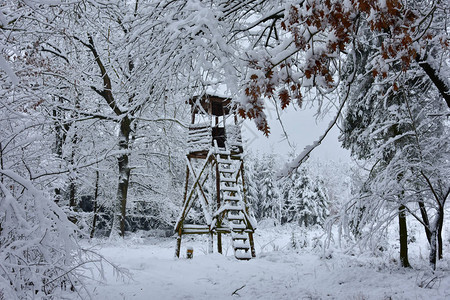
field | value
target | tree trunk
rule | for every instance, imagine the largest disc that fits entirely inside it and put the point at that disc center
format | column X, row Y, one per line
column 72, row 193
column 435, row 228
column 404, row 262
column 61, row 128
column 433, row 249
column 1, row 162
column 72, row 176
column 60, row 137
column 439, row 232
column 124, row 170
column 94, row 220
column 424, row 214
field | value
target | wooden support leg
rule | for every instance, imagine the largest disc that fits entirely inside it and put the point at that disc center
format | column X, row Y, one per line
column 219, row 243
column 178, row 248
column 252, row 243
column 211, row 243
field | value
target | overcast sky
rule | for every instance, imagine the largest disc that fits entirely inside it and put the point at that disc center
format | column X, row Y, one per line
column 302, row 128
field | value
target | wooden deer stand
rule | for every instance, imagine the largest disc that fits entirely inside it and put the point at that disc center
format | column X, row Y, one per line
column 215, row 178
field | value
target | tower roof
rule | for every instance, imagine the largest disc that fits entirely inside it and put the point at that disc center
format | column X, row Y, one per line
column 211, row 104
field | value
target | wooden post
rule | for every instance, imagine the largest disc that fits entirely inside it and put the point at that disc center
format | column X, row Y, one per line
column 250, row 234
column 178, row 248
column 219, row 243
column 244, row 189
column 219, row 235
column 186, row 184
column 225, row 129
column 252, row 243
column 211, row 243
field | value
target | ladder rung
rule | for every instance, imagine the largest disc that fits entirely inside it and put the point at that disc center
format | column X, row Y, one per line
column 229, row 188
column 242, row 255
column 236, row 213
column 226, row 179
column 229, row 206
column 239, row 236
column 232, row 217
column 223, row 170
column 231, row 198
column 241, row 226
column 240, row 245
column 225, row 161
column 223, row 152
column 235, row 208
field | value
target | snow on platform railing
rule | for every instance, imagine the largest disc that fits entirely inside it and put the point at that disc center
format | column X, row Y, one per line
column 195, row 228
column 200, row 125
column 199, row 137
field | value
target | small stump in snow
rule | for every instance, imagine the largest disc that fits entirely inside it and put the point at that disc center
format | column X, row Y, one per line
column 189, row 252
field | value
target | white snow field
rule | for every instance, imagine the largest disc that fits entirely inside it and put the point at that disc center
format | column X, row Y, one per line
column 278, row 272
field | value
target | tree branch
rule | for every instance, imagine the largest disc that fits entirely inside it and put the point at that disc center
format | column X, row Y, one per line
column 55, row 53
column 432, row 189
column 90, row 115
column 438, row 82
column 106, row 93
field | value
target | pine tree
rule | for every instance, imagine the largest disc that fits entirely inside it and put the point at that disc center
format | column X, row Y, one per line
column 263, row 192
column 305, row 199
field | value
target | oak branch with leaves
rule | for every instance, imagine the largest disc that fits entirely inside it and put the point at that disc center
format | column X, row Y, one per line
column 309, row 47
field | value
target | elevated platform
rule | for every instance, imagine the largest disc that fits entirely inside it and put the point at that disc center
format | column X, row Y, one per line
column 214, row 153
column 203, row 154
column 202, row 137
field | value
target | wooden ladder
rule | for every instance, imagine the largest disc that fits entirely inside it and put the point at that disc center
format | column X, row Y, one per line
column 234, row 207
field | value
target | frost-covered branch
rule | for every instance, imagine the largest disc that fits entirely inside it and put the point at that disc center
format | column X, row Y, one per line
column 440, row 80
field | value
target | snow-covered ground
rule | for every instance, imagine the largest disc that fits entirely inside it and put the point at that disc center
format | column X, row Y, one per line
column 278, row 272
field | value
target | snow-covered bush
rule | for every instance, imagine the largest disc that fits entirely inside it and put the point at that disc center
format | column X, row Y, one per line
column 37, row 245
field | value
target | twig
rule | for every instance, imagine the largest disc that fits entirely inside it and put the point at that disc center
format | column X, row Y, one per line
column 235, row 292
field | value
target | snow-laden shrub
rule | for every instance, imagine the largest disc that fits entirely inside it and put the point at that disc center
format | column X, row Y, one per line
column 36, row 242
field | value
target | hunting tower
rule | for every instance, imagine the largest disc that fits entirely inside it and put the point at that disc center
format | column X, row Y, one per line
column 215, row 178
